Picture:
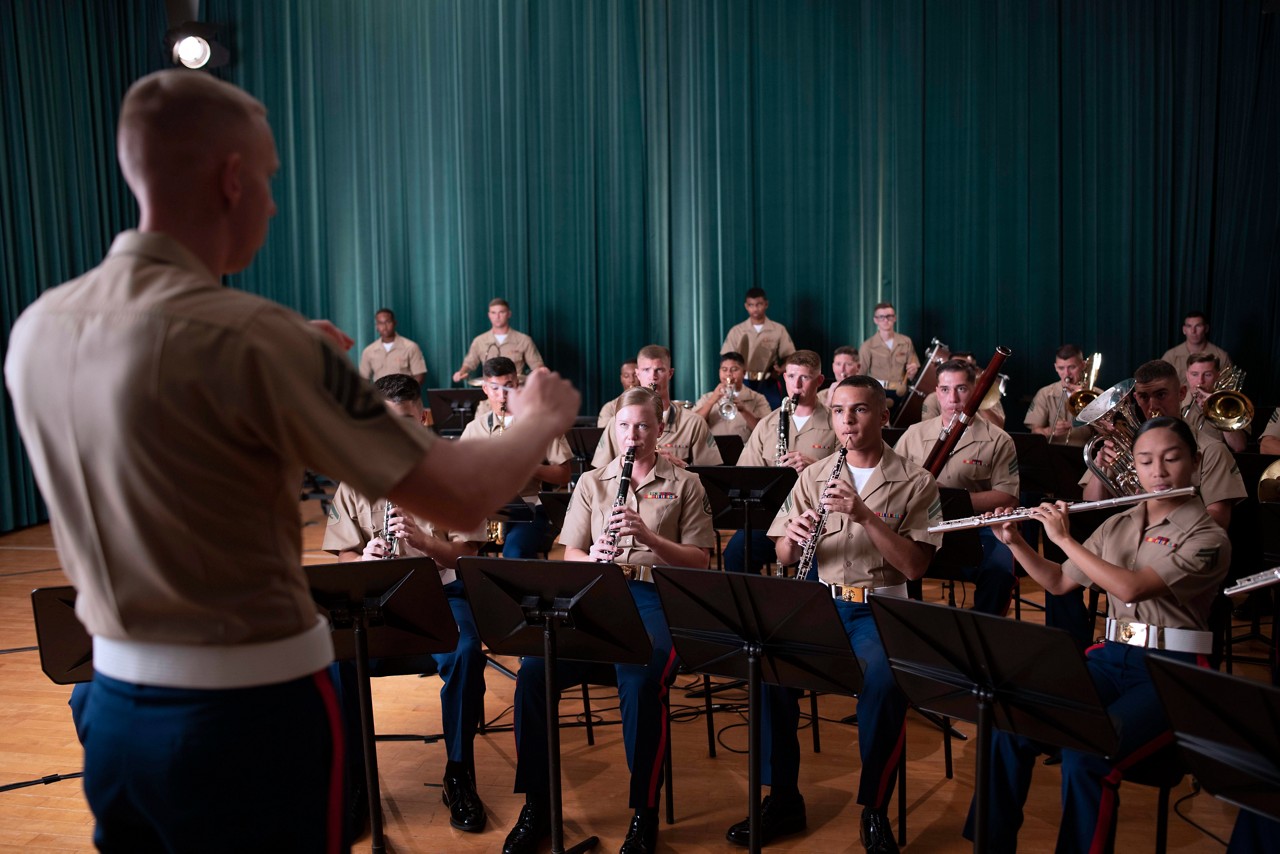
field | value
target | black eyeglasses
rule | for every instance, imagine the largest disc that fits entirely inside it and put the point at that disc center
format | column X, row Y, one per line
column 884, row 316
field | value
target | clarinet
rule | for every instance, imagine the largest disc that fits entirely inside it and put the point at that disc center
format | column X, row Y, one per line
column 624, row 486
column 393, row 544
column 805, row 567
column 784, row 428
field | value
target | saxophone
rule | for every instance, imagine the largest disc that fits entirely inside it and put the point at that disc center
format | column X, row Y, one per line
column 805, row 567
column 624, row 486
column 784, row 428
column 393, row 544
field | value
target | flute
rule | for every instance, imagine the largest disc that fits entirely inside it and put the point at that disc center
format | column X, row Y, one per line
column 1025, row 512
column 1252, row 582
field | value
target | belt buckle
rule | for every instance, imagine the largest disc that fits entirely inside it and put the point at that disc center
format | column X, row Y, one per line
column 630, row 571
column 856, row 595
column 1126, row 632
column 1135, row 634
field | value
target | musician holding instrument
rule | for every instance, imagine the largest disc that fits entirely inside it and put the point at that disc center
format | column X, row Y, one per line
column 358, row 529
column 391, row 353
column 1158, row 391
column 1202, row 375
column 732, row 409
column 764, row 343
column 845, row 362
column 803, row 431
column 992, row 409
column 661, row 517
column 1195, row 330
column 887, row 355
column 627, row 377
column 1161, row 564
column 984, row 463
column 875, row 539
column 1050, row 414
column 1269, row 441
column 519, row 539
column 685, row 436
column 500, row 340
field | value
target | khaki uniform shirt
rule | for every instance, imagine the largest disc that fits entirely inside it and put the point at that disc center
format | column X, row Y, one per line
column 557, row 452
column 816, row 439
column 671, row 502
column 1179, row 356
column 354, row 521
column 173, row 487
column 518, row 347
column 1273, row 425
column 404, row 357
column 686, row 437
column 901, row 493
column 1188, row 550
column 1050, row 405
column 1219, row 476
column 607, row 412
column 754, row 402
column 762, row 349
column 984, row 457
column 932, row 409
column 890, row 367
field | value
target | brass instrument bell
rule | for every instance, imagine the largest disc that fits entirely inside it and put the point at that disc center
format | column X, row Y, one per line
column 1116, row 416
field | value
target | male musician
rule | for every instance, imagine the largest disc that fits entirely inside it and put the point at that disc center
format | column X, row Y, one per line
column 875, row 540
column 1269, row 441
column 985, row 464
column 500, row 340
column 685, row 437
column 764, row 343
column 355, row 532
column 1049, row 415
column 521, row 539
column 1202, row 375
column 932, row 409
column 889, row 356
column 810, row 436
column 664, row 518
column 626, row 376
column 748, row 406
column 391, row 353
column 845, row 362
column 1195, row 328
column 173, row 489
column 1158, row 390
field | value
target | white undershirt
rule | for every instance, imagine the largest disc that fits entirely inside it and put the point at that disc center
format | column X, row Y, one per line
column 387, row 345
column 800, row 421
column 860, row 477
column 757, row 326
column 502, row 339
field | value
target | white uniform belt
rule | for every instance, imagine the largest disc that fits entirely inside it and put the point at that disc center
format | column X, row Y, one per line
column 860, row 594
column 1159, row 637
column 208, row 667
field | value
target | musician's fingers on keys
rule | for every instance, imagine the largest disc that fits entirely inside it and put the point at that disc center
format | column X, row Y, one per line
column 801, row 527
column 838, row 498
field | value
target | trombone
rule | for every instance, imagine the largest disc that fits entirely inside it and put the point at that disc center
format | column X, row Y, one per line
column 1226, row 408
column 1088, row 391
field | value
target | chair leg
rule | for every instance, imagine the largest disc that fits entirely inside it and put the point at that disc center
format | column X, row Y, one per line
column 902, row 792
column 946, row 748
column 1162, row 821
column 813, row 713
column 586, row 711
column 671, row 797
column 709, row 714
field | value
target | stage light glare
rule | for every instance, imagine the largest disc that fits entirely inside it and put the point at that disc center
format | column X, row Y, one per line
column 192, row 51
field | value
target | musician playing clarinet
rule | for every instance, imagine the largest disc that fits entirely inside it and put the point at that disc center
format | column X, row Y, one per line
column 663, row 517
column 1161, row 564
column 874, row 541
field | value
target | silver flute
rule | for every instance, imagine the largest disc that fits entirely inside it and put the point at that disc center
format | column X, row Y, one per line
column 1021, row 513
column 1266, row 578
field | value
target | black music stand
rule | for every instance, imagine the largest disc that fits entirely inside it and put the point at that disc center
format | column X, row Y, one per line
column 453, row 408
column 730, row 447
column 66, row 650
column 1022, row 678
column 384, row 609
column 1225, row 727
column 579, row 610
column 745, row 497
column 557, row 506
column 760, row 629
column 582, row 441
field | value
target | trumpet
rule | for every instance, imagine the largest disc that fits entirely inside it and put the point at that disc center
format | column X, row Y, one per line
column 987, row 520
column 1116, row 416
column 728, row 409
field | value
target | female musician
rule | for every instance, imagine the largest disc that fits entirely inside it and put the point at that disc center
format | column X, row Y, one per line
column 663, row 518
column 1160, row 563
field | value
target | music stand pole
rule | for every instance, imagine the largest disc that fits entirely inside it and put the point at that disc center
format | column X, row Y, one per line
column 754, row 712
column 359, row 634
column 550, row 618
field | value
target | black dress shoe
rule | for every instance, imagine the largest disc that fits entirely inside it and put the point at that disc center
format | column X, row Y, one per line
column 642, row 835
column 466, row 812
column 877, row 834
column 533, row 826
column 778, row 817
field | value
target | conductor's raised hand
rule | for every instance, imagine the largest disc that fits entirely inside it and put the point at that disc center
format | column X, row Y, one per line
column 546, row 397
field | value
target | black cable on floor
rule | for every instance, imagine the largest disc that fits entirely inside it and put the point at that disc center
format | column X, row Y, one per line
column 1195, row 791
column 52, row 778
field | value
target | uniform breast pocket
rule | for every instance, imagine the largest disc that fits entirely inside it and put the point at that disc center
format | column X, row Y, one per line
column 402, row 363
column 836, row 524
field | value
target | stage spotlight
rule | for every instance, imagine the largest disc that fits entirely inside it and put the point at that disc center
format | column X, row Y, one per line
column 194, row 45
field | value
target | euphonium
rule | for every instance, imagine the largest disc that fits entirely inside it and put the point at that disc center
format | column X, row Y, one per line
column 1116, row 416
column 624, row 486
column 784, row 428
column 393, row 544
column 1085, row 395
column 1227, row 408
column 805, row 567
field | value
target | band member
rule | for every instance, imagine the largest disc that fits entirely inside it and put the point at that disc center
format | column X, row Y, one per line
column 932, row 409
column 1049, row 415
column 1161, row 564
column 626, row 376
column 875, row 540
column 763, row 343
column 664, row 519
column 1195, row 328
column 748, row 407
column 810, row 437
column 355, row 532
column 500, row 340
column 391, row 353
column 173, row 490
column 685, row 437
column 1269, row 441
column 845, row 363
column 889, row 356
column 985, row 464
column 1202, row 375
column 1158, row 390
column 520, row 539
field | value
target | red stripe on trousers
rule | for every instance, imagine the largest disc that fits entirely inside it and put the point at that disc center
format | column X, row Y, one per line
column 655, row 773
column 333, row 818
column 890, row 769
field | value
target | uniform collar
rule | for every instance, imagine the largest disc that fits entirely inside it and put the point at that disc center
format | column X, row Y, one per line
column 1184, row 518
column 663, row 469
column 892, row 468
column 163, row 248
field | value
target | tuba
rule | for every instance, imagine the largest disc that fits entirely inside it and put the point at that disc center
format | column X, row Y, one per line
column 1116, row 416
column 1086, row 394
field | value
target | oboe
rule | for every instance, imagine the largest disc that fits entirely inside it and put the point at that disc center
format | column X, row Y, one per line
column 624, row 486
column 805, row 567
column 1025, row 512
column 393, row 544
column 784, row 428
